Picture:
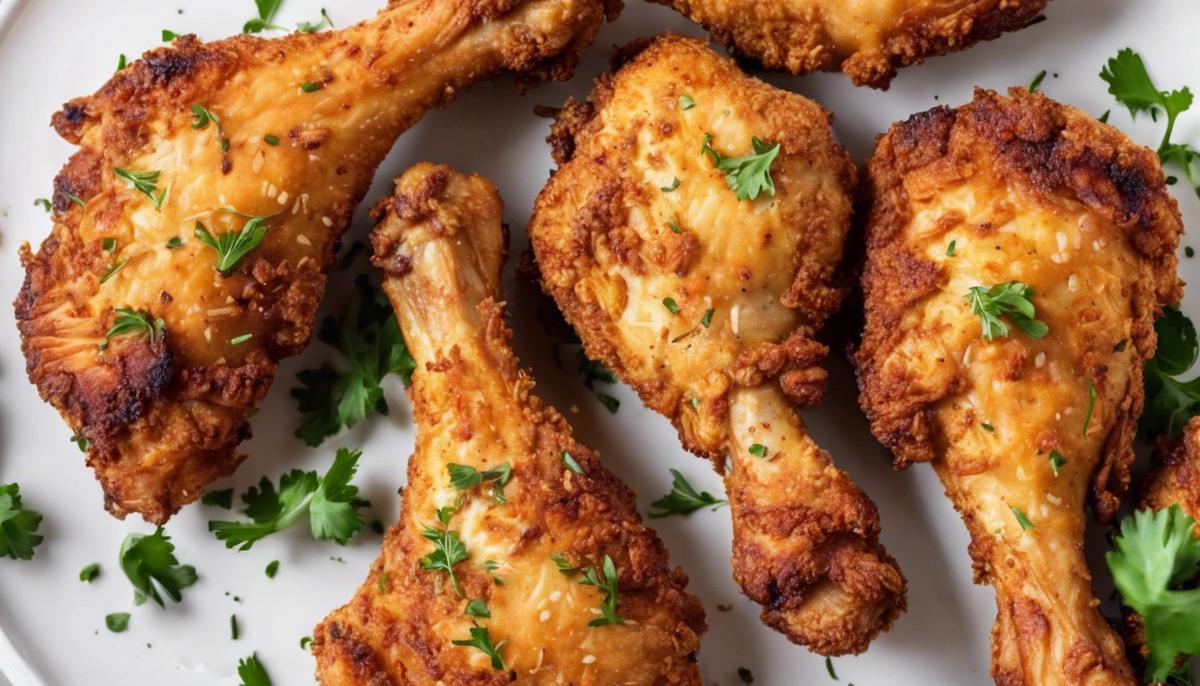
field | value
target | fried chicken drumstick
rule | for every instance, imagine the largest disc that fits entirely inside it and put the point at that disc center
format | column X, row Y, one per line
column 495, row 472
column 1018, row 252
column 868, row 41
column 707, row 305
column 151, row 318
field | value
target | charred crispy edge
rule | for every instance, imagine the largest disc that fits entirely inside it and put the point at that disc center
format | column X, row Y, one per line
column 1051, row 149
column 815, row 291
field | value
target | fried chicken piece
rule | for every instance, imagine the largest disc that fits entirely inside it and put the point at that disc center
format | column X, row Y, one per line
column 1020, row 430
column 867, row 41
column 298, row 125
column 707, row 305
column 442, row 246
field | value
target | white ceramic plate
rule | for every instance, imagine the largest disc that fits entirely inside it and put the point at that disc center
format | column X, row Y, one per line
column 52, row 50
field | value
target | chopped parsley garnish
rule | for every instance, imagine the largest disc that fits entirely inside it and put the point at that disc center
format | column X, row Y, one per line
column 238, row 340
column 987, row 426
column 686, row 102
column 270, row 139
column 43, row 203
column 570, row 463
column 1169, row 401
column 131, row 322
column 80, row 442
column 168, row 35
column 121, row 62
column 174, row 242
column 747, row 175
column 674, row 185
column 252, row 672
column 313, row 27
column 75, row 199
column 829, row 668
column 1011, row 299
column 305, row 642
column 222, row 498
column 606, row 581
column 369, row 340
column 477, row 608
column 671, row 305
column 448, row 550
column 706, row 320
column 1155, row 566
column 1057, row 461
column 232, row 246
column 563, row 564
column 1130, row 83
column 18, row 526
column 950, row 248
column 1021, row 518
column 1087, row 419
column 89, row 573
column 116, row 267
column 1037, row 81
column 202, row 116
column 464, row 477
column 481, row 639
column 683, row 499
column 311, row 87
column 272, row 569
column 233, row 628
column 490, row 566
column 758, row 450
column 674, row 227
column 145, row 182
column 266, row 12
column 108, row 244
column 331, row 501
column 150, row 565
column 117, row 622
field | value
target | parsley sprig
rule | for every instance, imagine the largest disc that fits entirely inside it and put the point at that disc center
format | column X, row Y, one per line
column 18, row 526
column 232, row 246
column 683, row 499
column 1170, row 403
column 464, row 477
column 149, row 563
column 145, row 182
column 606, row 581
column 371, row 347
column 130, row 322
column 1130, row 83
column 747, row 175
column 448, row 548
column 252, row 672
column 1155, row 566
column 266, row 13
column 482, row 640
column 1011, row 299
column 331, row 501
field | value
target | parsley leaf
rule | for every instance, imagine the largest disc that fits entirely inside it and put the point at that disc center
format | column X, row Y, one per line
column 464, row 477
column 1022, row 519
column 331, row 502
column 683, row 499
column 43, row 203
column 150, row 565
column 252, row 672
column 311, row 27
column 448, row 551
column 747, row 175
column 222, row 498
column 1169, row 401
column 131, row 322
column 18, row 526
column 232, row 246
column 477, row 608
column 145, row 182
column 266, row 12
column 481, row 639
column 1011, row 299
column 1155, row 565
column 1130, row 83
column 372, row 346
column 89, row 573
column 606, row 581
column 117, row 622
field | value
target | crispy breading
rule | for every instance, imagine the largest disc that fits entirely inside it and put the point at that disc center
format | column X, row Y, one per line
column 1020, row 431
column 868, row 41
column 442, row 245
column 752, row 282
column 163, row 415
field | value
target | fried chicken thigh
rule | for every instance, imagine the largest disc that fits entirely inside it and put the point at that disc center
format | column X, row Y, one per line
column 1024, row 426
column 529, row 539
column 866, row 39
column 1175, row 479
column 203, row 137
column 707, row 305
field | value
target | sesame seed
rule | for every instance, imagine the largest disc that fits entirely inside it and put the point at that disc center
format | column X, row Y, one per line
column 1072, row 282
column 545, row 615
column 555, row 596
column 1040, row 360
column 1062, row 240
column 257, row 165
column 303, row 240
column 734, row 318
column 283, row 198
column 589, row 659
column 272, row 191
column 327, row 221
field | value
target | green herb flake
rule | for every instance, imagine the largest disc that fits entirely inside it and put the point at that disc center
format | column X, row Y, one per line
column 758, row 450
column 272, row 569
column 148, row 561
column 131, row 322
column 671, row 305
column 238, row 340
column 311, row 87
column 270, row 139
column 117, row 622
column 43, row 203
column 1021, row 518
column 174, row 242
column 829, row 668
column 144, row 182
column 109, row 244
column 1037, row 81
column 233, row 628
column 305, row 642
column 747, row 175
column 987, row 426
column 89, row 573
column 252, row 672
column 232, row 246
column 477, row 608
column 605, row 580
column 1011, row 299
column 1087, row 418
column 168, row 35
column 671, row 188
column 1057, row 461
column 950, row 248
column 686, row 102
column 121, row 62
column 706, row 320
column 482, row 640
column 222, row 498
column 683, row 499
column 570, row 463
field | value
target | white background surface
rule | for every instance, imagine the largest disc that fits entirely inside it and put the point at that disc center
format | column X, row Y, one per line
column 52, row 50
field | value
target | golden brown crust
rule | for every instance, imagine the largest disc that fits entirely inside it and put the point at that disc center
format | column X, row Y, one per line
column 866, row 41
column 441, row 244
column 1020, row 430
column 163, row 419
column 635, row 221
